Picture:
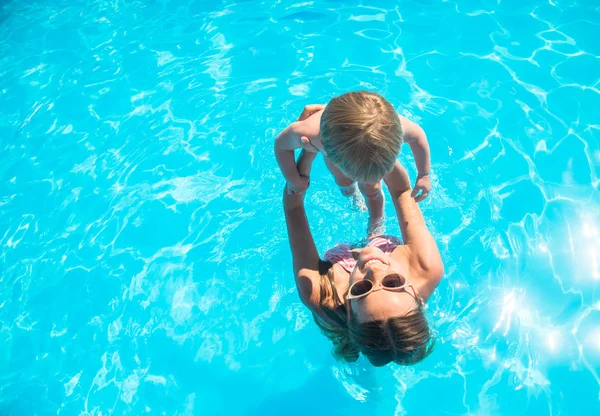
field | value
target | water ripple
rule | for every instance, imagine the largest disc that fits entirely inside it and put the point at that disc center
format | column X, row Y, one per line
column 145, row 266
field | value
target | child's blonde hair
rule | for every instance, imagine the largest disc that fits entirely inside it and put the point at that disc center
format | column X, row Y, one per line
column 362, row 134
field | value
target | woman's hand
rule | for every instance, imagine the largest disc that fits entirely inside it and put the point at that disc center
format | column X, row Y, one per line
column 299, row 187
column 397, row 180
column 303, row 165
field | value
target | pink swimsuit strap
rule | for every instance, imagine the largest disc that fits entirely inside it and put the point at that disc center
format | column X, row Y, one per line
column 342, row 253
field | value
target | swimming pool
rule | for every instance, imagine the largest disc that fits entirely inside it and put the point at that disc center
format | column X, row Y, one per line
column 144, row 260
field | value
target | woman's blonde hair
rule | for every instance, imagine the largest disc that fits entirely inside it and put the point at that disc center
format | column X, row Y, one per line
column 362, row 135
column 405, row 340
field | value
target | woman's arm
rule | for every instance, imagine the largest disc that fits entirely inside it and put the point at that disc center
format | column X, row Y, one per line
column 304, row 251
column 424, row 254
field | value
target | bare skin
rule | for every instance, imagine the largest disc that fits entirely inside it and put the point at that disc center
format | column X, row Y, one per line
column 305, row 133
column 418, row 260
column 372, row 193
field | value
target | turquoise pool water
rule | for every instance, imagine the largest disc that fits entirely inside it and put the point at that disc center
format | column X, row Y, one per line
column 143, row 256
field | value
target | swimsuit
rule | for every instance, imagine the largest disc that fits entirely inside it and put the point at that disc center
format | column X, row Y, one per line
column 342, row 253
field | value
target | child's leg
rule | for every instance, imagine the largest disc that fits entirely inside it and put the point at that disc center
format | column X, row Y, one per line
column 345, row 183
column 374, row 199
column 347, row 186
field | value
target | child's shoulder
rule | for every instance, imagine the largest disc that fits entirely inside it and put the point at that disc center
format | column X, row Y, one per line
column 411, row 129
column 310, row 126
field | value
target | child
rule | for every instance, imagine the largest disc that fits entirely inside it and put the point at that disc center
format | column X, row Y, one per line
column 359, row 134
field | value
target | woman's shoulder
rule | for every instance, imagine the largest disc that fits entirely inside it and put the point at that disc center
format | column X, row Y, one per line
column 320, row 291
column 426, row 271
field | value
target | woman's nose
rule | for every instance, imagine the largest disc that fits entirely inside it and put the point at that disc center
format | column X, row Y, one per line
column 373, row 274
column 376, row 275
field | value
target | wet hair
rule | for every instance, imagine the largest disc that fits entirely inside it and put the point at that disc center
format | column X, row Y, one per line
column 362, row 135
column 404, row 340
column 332, row 319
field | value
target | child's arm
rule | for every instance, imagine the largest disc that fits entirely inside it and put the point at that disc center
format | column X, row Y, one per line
column 300, row 134
column 417, row 140
column 285, row 143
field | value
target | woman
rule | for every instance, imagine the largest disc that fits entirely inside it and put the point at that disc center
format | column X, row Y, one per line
column 369, row 299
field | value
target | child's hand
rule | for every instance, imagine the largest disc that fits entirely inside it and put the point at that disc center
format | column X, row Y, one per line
column 423, row 185
column 314, row 146
column 299, row 187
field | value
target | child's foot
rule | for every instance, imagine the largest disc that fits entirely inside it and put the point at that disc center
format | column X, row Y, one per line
column 356, row 199
column 376, row 227
column 375, row 199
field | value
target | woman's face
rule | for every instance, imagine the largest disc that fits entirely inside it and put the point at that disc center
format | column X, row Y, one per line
column 373, row 264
